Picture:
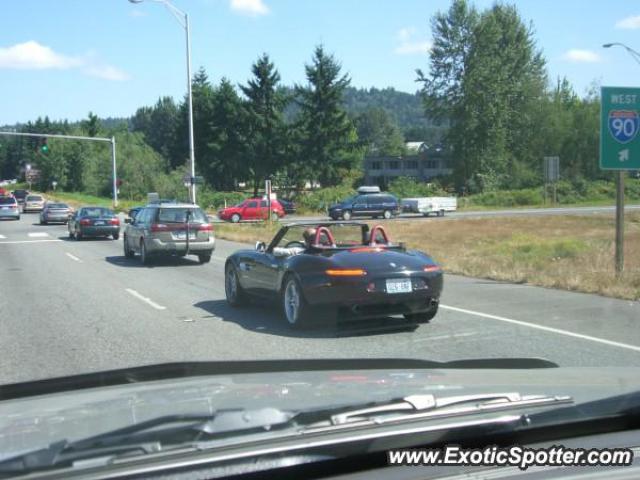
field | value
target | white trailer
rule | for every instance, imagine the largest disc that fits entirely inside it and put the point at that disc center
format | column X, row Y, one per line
column 429, row 205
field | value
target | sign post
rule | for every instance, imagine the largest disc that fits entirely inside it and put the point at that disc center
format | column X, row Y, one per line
column 267, row 191
column 619, row 147
column 551, row 175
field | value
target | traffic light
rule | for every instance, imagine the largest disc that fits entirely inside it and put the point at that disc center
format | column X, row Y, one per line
column 44, row 147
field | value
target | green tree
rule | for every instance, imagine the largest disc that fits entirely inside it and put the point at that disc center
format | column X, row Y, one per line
column 91, row 125
column 266, row 141
column 378, row 134
column 327, row 138
column 227, row 139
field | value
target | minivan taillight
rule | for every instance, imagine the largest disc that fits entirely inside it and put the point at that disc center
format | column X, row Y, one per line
column 85, row 221
column 114, row 221
column 205, row 227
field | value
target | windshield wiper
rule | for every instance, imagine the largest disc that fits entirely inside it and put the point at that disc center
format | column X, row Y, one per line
column 148, row 437
column 423, row 406
column 165, row 433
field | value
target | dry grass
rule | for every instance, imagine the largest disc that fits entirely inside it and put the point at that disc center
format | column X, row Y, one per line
column 566, row 252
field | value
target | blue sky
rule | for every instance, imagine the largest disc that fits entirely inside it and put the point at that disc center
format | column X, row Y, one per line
column 63, row 58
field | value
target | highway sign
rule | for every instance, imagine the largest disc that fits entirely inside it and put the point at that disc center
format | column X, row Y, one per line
column 619, row 127
column 551, row 169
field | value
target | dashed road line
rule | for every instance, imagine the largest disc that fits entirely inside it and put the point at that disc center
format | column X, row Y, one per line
column 558, row 331
column 73, row 257
column 146, row 300
column 2, row 236
column 13, row 242
column 38, row 234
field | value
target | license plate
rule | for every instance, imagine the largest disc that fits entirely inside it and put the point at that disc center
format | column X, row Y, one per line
column 183, row 236
column 398, row 286
column 98, row 223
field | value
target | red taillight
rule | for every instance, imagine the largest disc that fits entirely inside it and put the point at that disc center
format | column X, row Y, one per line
column 114, row 221
column 85, row 221
column 205, row 227
column 159, row 227
column 432, row 268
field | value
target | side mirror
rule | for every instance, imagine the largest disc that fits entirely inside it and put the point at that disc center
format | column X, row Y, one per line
column 260, row 246
column 128, row 220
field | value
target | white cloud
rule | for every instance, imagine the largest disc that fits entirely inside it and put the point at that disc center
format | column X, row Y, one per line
column 33, row 56
column 107, row 72
column 581, row 56
column 137, row 13
column 410, row 44
column 629, row 23
column 249, row 7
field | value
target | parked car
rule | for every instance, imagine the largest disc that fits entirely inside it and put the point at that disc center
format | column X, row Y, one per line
column 94, row 222
column 33, row 203
column 334, row 270
column 20, row 195
column 9, row 208
column 169, row 229
column 252, row 209
column 55, row 213
column 366, row 205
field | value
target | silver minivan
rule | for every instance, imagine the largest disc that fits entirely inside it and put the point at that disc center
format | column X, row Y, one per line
column 169, row 229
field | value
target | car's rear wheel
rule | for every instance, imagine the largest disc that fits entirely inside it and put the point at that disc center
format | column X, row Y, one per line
column 127, row 250
column 144, row 256
column 294, row 305
column 78, row 235
column 236, row 296
column 204, row 257
column 235, row 218
column 116, row 236
column 387, row 214
column 346, row 215
column 423, row 317
column 441, row 213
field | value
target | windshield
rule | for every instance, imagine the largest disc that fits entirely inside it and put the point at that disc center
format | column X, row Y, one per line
column 473, row 167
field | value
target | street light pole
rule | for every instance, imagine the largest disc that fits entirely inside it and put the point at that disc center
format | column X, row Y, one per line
column 634, row 54
column 192, row 153
column 183, row 20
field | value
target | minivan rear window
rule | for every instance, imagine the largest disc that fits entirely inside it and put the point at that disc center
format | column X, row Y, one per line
column 7, row 201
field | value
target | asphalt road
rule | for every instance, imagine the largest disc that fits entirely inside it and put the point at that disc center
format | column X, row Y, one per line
column 70, row 307
column 515, row 212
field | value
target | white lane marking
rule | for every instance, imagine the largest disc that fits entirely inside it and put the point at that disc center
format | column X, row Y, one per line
column 2, row 236
column 30, row 241
column 148, row 301
column 544, row 328
column 73, row 257
column 38, row 234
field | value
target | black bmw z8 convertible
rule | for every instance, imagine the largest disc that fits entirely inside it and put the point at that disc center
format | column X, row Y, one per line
column 323, row 271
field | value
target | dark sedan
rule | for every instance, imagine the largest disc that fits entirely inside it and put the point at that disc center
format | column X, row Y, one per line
column 94, row 222
column 55, row 213
column 346, row 270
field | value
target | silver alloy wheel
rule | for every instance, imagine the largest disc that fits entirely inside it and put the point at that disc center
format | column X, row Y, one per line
column 347, row 215
column 292, row 302
column 235, row 218
column 274, row 217
column 231, row 285
column 387, row 214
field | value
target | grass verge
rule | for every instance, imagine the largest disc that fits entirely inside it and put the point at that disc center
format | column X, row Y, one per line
column 571, row 253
